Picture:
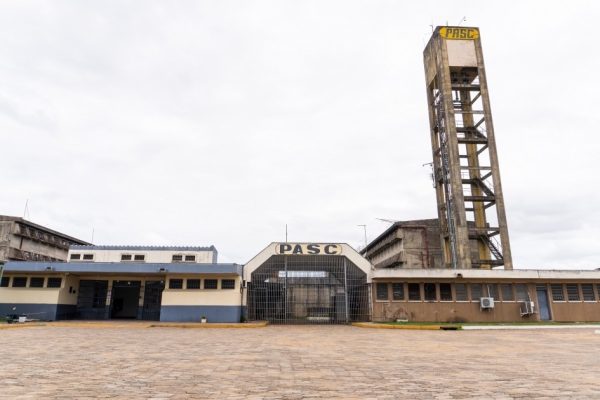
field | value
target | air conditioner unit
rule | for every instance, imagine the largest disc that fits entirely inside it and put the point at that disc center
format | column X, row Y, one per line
column 486, row 302
column 526, row 308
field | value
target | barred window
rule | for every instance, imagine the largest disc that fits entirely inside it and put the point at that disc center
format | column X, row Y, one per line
column 19, row 281
column 139, row 257
column 5, row 281
column 193, row 284
column 573, row 292
column 36, row 282
column 476, row 291
column 414, row 292
column 175, row 283
column 210, row 283
column 190, row 258
column 558, row 293
column 430, row 291
column 398, row 291
column 445, row 292
column 507, row 292
column 75, row 256
column 177, row 257
column 54, row 282
column 382, row 291
column 492, row 290
column 227, row 283
column 588, row 292
column 461, row 292
column 126, row 257
column 521, row 290
column 88, row 257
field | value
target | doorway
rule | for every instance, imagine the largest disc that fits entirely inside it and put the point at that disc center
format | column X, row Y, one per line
column 543, row 304
column 125, row 299
column 152, row 299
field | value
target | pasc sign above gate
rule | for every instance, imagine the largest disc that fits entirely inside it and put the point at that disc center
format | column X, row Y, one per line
column 309, row 249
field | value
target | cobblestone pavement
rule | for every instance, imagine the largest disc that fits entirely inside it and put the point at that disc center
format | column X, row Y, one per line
column 297, row 362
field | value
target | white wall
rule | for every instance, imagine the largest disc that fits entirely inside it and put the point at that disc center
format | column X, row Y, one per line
column 151, row 256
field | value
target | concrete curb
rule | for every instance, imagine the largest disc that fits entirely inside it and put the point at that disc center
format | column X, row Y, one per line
column 21, row 325
column 373, row 325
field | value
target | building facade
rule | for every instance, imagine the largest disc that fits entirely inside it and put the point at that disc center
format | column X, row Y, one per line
column 22, row 240
column 112, row 282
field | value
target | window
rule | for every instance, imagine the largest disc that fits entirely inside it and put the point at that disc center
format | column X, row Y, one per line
column 54, row 282
column 228, row 284
column 75, row 256
column 430, row 291
column 193, row 283
column 210, row 283
column 573, row 292
column 5, row 281
column 445, row 292
column 139, row 257
column 177, row 257
column 492, row 290
column 175, row 283
column 414, row 292
column 398, row 291
column 190, row 258
column 475, row 291
column 19, row 281
column 588, row 292
column 382, row 291
column 88, row 257
column 557, row 292
column 507, row 292
column 126, row 257
column 461, row 292
column 36, row 282
column 522, row 294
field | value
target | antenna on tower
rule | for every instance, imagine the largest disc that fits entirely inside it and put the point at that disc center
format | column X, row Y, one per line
column 26, row 210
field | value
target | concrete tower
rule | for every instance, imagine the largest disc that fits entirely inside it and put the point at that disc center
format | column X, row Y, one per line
column 465, row 161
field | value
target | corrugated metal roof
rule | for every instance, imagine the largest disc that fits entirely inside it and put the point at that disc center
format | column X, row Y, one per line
column 122, row 268
column 143, row 248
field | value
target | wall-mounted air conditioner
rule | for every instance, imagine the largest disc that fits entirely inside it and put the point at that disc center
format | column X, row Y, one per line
column 486, row 303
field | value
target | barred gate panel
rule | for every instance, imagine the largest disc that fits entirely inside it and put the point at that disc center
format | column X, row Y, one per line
column 308, row 290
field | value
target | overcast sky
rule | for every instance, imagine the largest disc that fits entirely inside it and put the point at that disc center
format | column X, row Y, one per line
column 218, row 122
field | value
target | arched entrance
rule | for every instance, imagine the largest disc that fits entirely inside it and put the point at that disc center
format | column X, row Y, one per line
column 305, row 289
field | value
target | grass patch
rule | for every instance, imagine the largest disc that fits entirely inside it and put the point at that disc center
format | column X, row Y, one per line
column 527, row 323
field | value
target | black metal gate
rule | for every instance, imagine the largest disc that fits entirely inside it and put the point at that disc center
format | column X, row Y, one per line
column 308, row 290
column 152, row 299
column 91, row 299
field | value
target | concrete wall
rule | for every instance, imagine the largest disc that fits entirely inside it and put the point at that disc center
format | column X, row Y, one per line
column 37, row 303
column 470, row 311
column 151, row 256
column 218, row 305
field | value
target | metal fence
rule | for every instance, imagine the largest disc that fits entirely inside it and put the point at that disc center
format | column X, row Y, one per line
column 308, row 290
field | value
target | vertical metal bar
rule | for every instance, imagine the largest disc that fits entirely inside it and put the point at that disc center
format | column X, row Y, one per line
column 346, row 289
column 285, row 296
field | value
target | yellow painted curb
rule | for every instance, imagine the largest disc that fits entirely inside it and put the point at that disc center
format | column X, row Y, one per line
column 196, row 325
column 21, row 325
column 410, row 327
column 99, row 324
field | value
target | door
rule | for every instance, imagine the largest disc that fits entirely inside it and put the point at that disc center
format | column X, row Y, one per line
column 544, row 307
column 152, row 299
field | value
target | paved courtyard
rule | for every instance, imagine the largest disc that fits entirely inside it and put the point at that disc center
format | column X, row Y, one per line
column 296, row 362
